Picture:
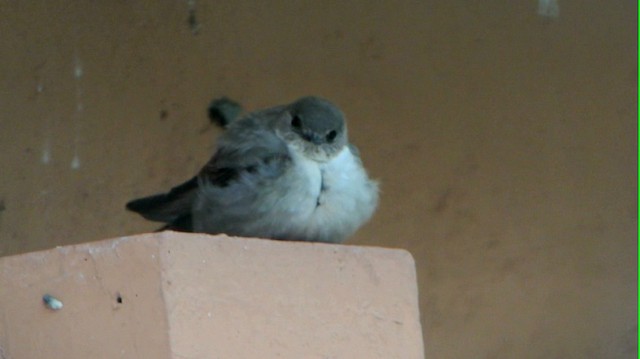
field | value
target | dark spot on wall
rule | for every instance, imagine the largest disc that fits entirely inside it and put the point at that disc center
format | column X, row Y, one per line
column 194, row 25
column 492, row 244
column 443, row 201
column 509, row 265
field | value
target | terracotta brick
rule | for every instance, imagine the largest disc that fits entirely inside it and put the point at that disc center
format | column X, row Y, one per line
column 176, row 295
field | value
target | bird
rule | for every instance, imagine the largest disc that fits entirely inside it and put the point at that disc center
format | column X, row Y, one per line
column 285, row 173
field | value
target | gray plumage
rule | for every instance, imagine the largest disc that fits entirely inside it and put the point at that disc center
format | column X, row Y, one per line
column 286, row 173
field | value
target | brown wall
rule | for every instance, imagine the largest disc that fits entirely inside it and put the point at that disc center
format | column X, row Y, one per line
column 505, row 142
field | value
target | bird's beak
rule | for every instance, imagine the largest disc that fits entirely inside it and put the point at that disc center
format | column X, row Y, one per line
column 313, row 137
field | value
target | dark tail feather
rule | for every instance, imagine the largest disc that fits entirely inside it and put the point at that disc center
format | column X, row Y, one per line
column 172, row 207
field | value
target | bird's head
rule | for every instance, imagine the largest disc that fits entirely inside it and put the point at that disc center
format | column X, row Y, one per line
column 315, row 127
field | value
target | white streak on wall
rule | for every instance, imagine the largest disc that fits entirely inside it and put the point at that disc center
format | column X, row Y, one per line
column 46, row 147
column 46, row 151
column 78, row 73
column 75, row 162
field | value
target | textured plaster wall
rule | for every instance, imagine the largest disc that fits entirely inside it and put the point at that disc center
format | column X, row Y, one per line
column 505, row 141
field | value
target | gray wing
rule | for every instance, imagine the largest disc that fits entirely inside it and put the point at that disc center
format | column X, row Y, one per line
column 248, row 153
column 250, row 160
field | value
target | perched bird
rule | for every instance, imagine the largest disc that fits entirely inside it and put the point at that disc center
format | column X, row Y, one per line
column 287, row 173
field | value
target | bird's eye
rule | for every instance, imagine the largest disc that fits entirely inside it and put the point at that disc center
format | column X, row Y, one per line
column 331, row 136
column 296, row 122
